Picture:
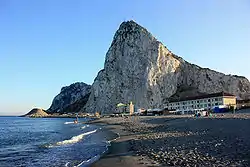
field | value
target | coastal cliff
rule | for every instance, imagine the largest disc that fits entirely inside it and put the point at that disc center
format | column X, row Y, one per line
column 141, row 69
column 71, row 98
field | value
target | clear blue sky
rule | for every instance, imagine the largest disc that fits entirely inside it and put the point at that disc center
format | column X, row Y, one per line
column 47, row 44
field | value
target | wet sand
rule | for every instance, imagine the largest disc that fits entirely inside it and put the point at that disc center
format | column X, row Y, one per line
column 120, row 152
column 221, row 140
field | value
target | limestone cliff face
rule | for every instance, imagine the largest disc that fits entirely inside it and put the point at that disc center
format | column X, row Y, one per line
column 140, row 69
column 71, row 98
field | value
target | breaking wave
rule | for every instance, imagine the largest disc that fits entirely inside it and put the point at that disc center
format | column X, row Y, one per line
column 68, row 123
column 75, row 139
column 96, row 157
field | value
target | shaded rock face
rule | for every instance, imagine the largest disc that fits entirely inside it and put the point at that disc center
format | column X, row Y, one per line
column 76, row 106
column 140, row 69
column 37, row 112
column 71, row 98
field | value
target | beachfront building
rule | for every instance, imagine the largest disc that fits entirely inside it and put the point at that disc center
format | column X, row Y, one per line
column 204, row 102
column 243, row 104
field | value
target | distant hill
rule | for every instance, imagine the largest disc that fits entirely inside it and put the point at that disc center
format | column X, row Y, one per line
column 36, row 112
column 71, row 98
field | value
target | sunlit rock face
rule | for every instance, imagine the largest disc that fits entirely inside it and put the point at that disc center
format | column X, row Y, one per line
column 36, row 112
column 140, row 69
column 70, row 96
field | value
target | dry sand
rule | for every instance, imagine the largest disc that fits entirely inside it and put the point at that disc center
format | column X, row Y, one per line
column 221, row 140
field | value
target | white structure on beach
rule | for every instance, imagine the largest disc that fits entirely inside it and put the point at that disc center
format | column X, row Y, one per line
column 204, row 102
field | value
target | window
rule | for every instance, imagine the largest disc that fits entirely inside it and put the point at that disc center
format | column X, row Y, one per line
column 208, row 100
column 216, row 104
column 197, row 101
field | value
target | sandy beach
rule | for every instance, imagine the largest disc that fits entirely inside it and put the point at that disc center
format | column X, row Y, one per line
column 178, row 140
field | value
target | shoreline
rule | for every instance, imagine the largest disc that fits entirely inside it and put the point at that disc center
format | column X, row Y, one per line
column 51, row 116
column 120, row 152
column 222, row 140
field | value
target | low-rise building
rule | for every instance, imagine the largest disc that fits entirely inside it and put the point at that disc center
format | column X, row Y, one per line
column 243, row 104
column 204, row 102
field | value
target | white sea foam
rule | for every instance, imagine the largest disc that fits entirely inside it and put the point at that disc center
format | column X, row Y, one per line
column 68, row 123
column 84, row 126
column 89, row 161
column 95, row 158
column 75, row 139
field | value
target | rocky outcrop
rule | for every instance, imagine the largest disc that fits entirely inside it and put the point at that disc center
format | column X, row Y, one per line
column 71, row 98
column 37, row 112
column 76, row 106
column 140, row 69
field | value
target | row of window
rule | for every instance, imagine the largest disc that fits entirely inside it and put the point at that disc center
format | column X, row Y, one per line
column 196, row 106
column 196, row 101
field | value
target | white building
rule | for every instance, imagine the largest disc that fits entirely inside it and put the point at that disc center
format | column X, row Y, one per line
column 204, row 102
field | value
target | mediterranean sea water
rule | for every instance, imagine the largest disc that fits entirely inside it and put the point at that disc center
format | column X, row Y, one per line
column 35, row 142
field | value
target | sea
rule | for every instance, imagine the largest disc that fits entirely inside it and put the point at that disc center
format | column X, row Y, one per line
column 55, row 142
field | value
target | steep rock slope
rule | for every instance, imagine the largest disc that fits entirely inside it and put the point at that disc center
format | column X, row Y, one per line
column 140, row 69
column 71, row 98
